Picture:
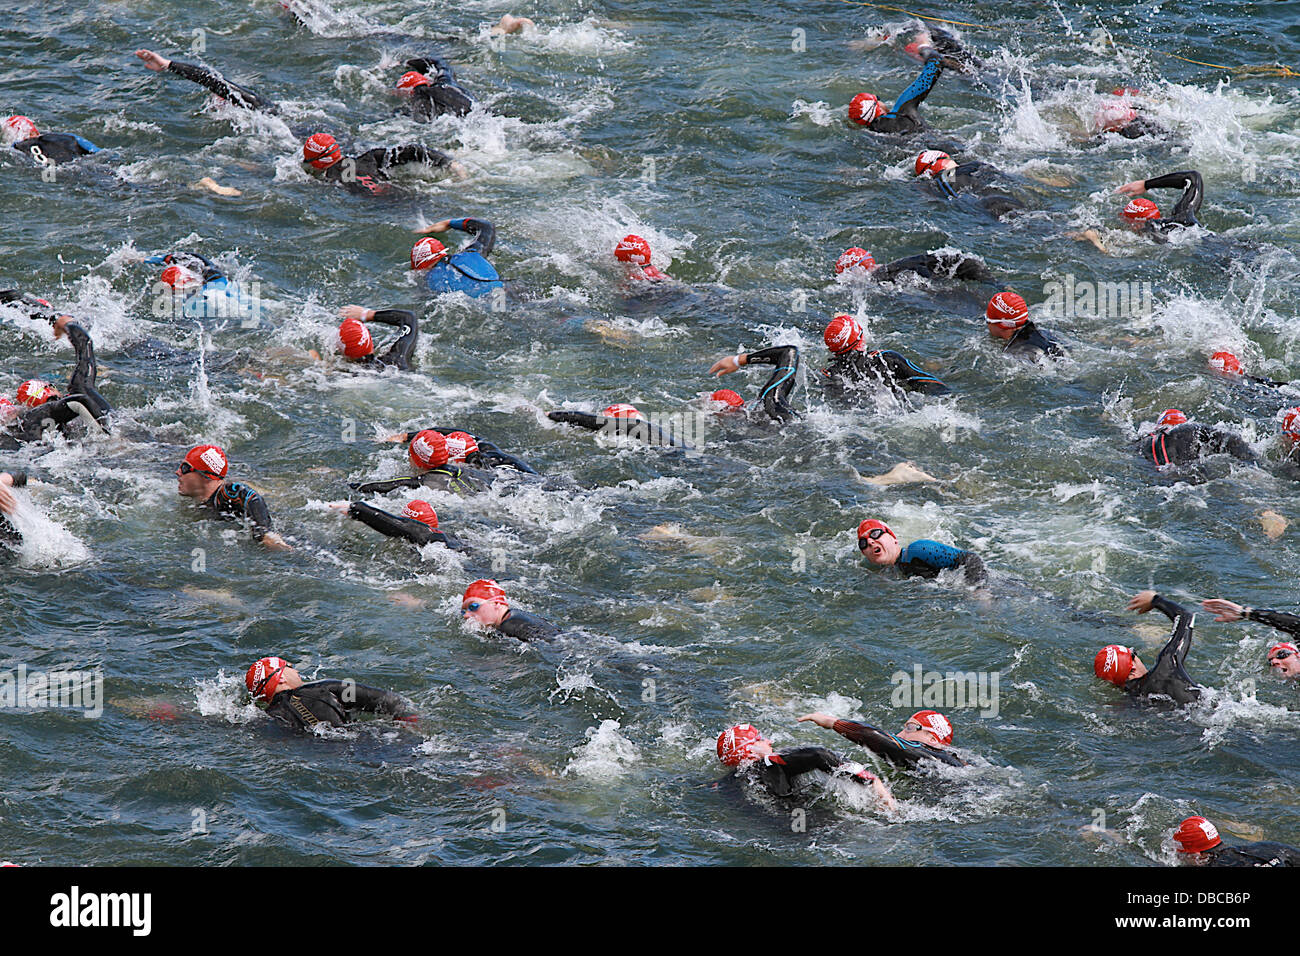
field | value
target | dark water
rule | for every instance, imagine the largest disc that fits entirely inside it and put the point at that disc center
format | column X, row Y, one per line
column 730, row 581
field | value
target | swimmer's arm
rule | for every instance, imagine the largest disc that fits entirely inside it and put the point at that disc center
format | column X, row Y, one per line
column 973, row 565
column 491, row 456
column 481, row 229
column 582, row 419
column 390, row 524
column 388, row 157
column 1290, row 623
column 210, row 79
column 376, row 701
column 914, row 95
column 384, row 487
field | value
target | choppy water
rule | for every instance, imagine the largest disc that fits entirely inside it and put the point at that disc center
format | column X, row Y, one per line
column 753, row 604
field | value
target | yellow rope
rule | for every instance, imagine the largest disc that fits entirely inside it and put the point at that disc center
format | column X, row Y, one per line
column 919, row 16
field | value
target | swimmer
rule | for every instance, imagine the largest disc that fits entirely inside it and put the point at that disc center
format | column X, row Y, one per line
column 485, row 601
column 302, row 706
column 922, row 558
column 1168, row 677
column 202, row 477
column 753, row 756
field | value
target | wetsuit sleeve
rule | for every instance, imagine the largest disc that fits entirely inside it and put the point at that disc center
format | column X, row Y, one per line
column 1189, row 203
column 877, row 741
column 435, row 63
column 219, row 85
column 208, row 268
column 527, row 627
column 484, row 232
column 1278, row 619
column 381, row 702
column 1168, row 675
column 384, row 487
column 973, row 565
column 82, row 380
column 258, row 514
column 400, row 352
column 387, row 158
column 777, row 390
column 490, row 456
column 582, row 419
column 911, row 376
column 907, row 106
column 625, row 427
column 804, row 759
column 392, row 525
column 1228, row 441
column 36, row 309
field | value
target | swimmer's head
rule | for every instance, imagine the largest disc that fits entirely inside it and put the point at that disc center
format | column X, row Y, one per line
column 427, row 253
column 633, row 250
column 179, row 278
column 1113, row 663
column 620, row 411
column 1284, row 657
column 321, row 150
column 421, row 511
column 460, row 445
column 34, row 392
column 1227, row 363
column 843, row 334
column 913, row 49
column 854, row 258
column 19, row 128
column 928, row 727
column 727, row 399
column 932, row 162
column 1172, row 417
column 742, row 744
column 1140, row 210
column 428, row 450
column 864, row 108
column 1005, row 313
column 264, row 679
column 355, row 339
column 1112, row 117
column 202, row 470
column 410, row 81
column 878, row 542
column 485, row 602
column 1196, row 835
column 1291, row 424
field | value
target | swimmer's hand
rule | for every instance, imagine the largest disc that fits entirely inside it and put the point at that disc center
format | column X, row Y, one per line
column 441, row 226
column 1141, row 602
column 1227, row 611
column 273, row 542
column 1135, row 188
column 1089, row 235
column 820, row 719
column 725, row 366
column 358, row 312
column 458, row 170
column 153, row 61
column 340, row 506
column 8, row 502
column 61, row 326
column 399, row 437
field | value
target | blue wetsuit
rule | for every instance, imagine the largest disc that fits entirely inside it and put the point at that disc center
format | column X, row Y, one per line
column 468, row 270
column 905, row 117
column 925, row 558
column 217, row 298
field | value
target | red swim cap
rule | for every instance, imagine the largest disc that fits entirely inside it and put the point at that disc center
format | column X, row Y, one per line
column 410, row 81
column 264, row 677
column 178, row 277
column 842, row 334
column 208, row 460
column 34, row 392
column 1008, row 310
column 864, row 108
column 936, row 723
column 460, row 445
column 728, row 397
column 852, row 259
column 1291, row 424
column 19, row 128
column 1172, row 416
column 1111, row 117
column 929, row 163
column 484, row 590
column 321, row 150
column 421, row 510
column 1140, row 210
column 427, row 253
column 428, row 450
column 1281, row 646
column 1125, row 91
column 870, row 525
column 621, row 411
column 355, row 338
column 914, row 48
column 1113, row 663
column 633, row 249
column 1197, row 834
column 1226, row 362
column 734, row 744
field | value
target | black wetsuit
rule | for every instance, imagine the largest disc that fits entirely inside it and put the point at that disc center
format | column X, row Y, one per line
column 487, row 456
column 905, row 117
column 900, row 752
column 56, row 148
column 527, row 627
column 636, row 428
column 931, row 265
column 218, row 84
column 1282, row 620
column 1264, row 853
column 399, row 353
column 9, row 535
column 367, row 173
column 1185, row 210
column 1030, row 342
column 979, row 180
column 449, row 477
column 235, row 501
column 776, row 392
column 442, row 94
column 854, row 371
column 776, row 772
column 1139, row 127
column 1168, row 676
column 397, row 526
column 1187, row 442
column 333, row 702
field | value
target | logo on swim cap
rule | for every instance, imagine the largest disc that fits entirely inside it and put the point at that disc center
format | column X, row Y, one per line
column 355, row 338
column 735, row 744
column 264, row 677
column 178, row 277
column 1113, row 663
column 460, row 445
column 854, row 258
column 321, row 150
column 1197, row 834
column 1226, row 362
column 620, row 411
column 1172, row 416
column 842, row 334
column 1291, row 424
column 428, row 450
column 864, row 108
column 20, row 128
column 936, row 723
column 411, row 80
column 1008, row 310
column 34, row 392
column 727, row 397
column 484, row 589
column 930, row 162
column 421, row 510
column 1140, row 210
column 427, row 253
column 633, row 249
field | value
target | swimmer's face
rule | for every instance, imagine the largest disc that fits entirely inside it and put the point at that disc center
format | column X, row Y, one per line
column 487, row 613
column 912, row 730
column 1285, row 662
column 192, row 484
column 883, row 549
